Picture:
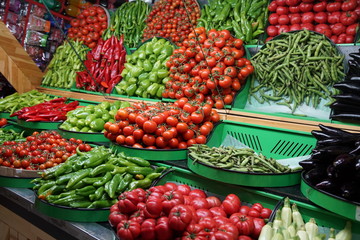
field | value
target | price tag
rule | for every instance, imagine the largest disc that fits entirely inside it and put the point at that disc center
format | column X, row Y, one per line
column 357, row 213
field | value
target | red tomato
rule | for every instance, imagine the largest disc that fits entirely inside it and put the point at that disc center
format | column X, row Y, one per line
column 333, row 7
column 323, row 29
column 265, row 213
column 272, row 6
column 320, row 7
column 284, row 28
column 338, row 28
column 258, row 225
column 348, row 18
column 292, row 2
column 231, row 204
column 294, row 9
column 116, row 217
column 307, row 17
column 180, row 217
column 213, row 201
column 306, row 7
column 321, row 17
column 244, row 224
column 197, row 193
column 272, row 31
column 128, row 229
column 334, row 17
column 349, row 5
column 282, row 10
column 244, row 210
column 351, row 30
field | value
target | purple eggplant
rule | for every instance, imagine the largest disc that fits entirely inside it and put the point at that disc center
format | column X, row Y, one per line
column 315, row 175
column 345, row 163
column 328, row 185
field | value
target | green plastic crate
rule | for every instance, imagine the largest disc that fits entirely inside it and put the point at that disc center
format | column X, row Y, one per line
column 323, row 217
column 270, row 141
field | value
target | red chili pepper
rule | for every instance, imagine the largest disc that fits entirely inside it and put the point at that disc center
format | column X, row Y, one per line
column 115, row 80
column 36, row 119
column 106, row 46
column 107, row 74
column 114, row 70
column 97, row 50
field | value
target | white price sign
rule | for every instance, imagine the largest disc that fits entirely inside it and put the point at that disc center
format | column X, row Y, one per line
column 357, row 213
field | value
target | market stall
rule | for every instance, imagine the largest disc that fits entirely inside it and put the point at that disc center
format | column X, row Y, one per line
column 203, row 124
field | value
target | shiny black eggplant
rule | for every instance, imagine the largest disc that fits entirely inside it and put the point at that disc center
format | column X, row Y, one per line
column 350, row 98
column 345, row 107
column 315, row 175
column 328, row 185
column 335, row 131
column 348, row 86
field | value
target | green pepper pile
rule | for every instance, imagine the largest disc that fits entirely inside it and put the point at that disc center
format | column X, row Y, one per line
column 10, row 135
column 128, row 20
column 243, row 18
column 94, row 179
column 145, row 72
column 62, row 69
column 92, row 117
column 16, row 101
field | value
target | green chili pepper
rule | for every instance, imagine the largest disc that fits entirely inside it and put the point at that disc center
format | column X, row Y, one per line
column 102, row 169
column 113, row 185
column 85, row 191
column 65, row 178
column 78, row 177
column 91, row 180
column 102, row 203
column 105, row 179
column 80, row 204
column 139, row 170
column 124, row 183
column 144, row 183
column 139, row 161
column 45, row 186
column 98, row 193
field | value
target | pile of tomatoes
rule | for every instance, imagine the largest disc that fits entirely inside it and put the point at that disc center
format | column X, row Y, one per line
column 40, row 151
column 162, row 125
column 173, row 211
column 209, row 67
column 89, row 25
column 338, row 20
column 170, row 19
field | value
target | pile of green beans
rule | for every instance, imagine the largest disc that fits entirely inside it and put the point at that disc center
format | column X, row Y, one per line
column 16, row 101
column 128, row 20
column 242, row 160
column 298, row 68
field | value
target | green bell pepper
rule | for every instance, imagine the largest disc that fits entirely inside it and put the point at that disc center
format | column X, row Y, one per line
column 144, row 76
column 147, row 65
column 139, row 91
column 167, row 50
column 160, row 91
column 157, row 65
column 149, row 48
column 142, row 54
column 153, row 77
column 152, row 58
column 162, row 73
column 145, row 84
column 132, row 80
column 165, row 80
column 130, row 90
column 152, row 90
column 135, row 71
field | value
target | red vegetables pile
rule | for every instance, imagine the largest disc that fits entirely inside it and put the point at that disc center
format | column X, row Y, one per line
column 168, row 18
column 105, row 63
column 337, row 20
column 89, row 25
column 173, row 211
column 162, row 125
column 52, row 111
column 40, row 151
column 209, row 67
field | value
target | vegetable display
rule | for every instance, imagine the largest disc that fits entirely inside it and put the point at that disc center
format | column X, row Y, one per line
column 128, row 20
column 94, row 179
column 298, row 68
column 173, row 211
column 162, row 125
column 89, row 25
column 145, row 73
column 16, row 101
column 338, row 20
column 347, row 103
column 61, row 71
column 54, row 111
column 242, row 159
column 245, row 19
column 40, row 151
column 334, row 165
column 10, row 135
column 104, row 64
column 172, row 19
column 209, row 67
column 92, row 117
column 289, row 224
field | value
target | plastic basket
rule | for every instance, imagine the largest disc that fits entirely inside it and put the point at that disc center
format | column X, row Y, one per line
column 72, row 214
column 114, row 94
column 7, row 116
column 323, row 217
column 152, row 154
column 272, row 142
column 41, row 125
column 330, row 202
